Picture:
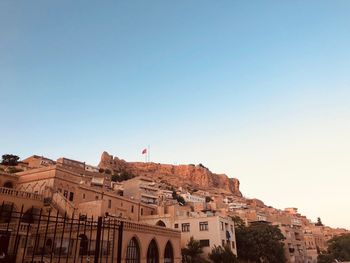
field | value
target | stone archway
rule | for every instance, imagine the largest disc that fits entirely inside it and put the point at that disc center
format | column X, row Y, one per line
column 133, row 251
column 168, row 253
column 160, row 223
column 152, row 252
column 8, row 184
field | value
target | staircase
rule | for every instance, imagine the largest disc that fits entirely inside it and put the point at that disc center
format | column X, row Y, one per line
column 60, row 203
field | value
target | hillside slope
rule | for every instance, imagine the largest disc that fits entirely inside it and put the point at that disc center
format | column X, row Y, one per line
column 188, row 176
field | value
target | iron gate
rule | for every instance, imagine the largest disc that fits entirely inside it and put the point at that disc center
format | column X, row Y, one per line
column 38, row 235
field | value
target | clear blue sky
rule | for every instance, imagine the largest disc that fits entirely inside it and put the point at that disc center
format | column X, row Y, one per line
column 259, row 90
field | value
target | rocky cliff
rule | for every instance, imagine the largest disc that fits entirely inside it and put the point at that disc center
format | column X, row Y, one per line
column 188, row 176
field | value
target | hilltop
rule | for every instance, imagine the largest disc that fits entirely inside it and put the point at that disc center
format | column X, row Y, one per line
column 189, row 176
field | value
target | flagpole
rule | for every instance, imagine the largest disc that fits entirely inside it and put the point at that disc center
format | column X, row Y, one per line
column 149, row 153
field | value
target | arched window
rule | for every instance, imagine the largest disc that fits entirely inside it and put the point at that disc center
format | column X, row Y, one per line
column 4, row 243
column 48, row 246
column 160, row 223
column 83, row 249
column 6, row 211
column 31, row 215
column 133, row 252
column 8, row 184
column 168, row 253
column 152, row 253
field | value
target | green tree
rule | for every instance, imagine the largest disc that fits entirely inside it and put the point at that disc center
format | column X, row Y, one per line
column 208, row 199
column 325, row 258
column 260, row 242
column 121, row 176
column 178, row 198
column 338, row 249
column 9, row 159
column 191, row 253
column 239, row 223
column 319, row 222
column 222, row 255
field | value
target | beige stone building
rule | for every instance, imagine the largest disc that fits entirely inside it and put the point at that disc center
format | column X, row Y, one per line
column 209, row 228
column 68, row 189
column 141, row 189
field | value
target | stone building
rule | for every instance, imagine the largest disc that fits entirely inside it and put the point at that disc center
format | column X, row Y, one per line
column 68, row 189
column 141, row 189
column 209, row 229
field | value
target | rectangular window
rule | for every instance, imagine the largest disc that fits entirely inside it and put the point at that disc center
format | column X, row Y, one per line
column 203, row 226
column 176, row 226
column 65, row 193
column 109, row 203
column 233, row 244
column 71, row 196
column 83, row 196
column 132, row 209
column 204, row 243
column 185, row 227
column 222, row 225
column 141, row 211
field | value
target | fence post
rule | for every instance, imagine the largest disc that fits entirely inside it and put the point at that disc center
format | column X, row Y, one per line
column 98, row 239
column 120, row 242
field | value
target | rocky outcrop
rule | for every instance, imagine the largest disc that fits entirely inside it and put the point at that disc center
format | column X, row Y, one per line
column 189, row 176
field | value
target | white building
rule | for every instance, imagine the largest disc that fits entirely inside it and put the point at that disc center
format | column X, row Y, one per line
column 209, row 230
column 91, row 168
column 235, row 205
column 193, row 198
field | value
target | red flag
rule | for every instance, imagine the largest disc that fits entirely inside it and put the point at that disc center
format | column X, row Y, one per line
column 144, row 151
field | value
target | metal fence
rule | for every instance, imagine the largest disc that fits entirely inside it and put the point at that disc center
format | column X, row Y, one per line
column 38, row 235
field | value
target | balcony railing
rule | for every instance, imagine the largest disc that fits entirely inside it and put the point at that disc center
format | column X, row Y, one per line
column 20, row 194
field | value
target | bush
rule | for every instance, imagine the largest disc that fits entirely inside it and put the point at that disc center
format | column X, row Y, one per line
column 338, row 248
column 191, row 253
column 13, row 170
column 222, row 255
column 10, row 159
column 123, row 176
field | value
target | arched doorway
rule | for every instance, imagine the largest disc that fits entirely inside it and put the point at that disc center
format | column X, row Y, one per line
column 8, row 184
column 31, row 215
column 6, row 212
column 83, row 248
column 47, row 246
column 168, row 253
column 152, row 252
column 160, row 223
column 4, row 244
column 133, row 251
